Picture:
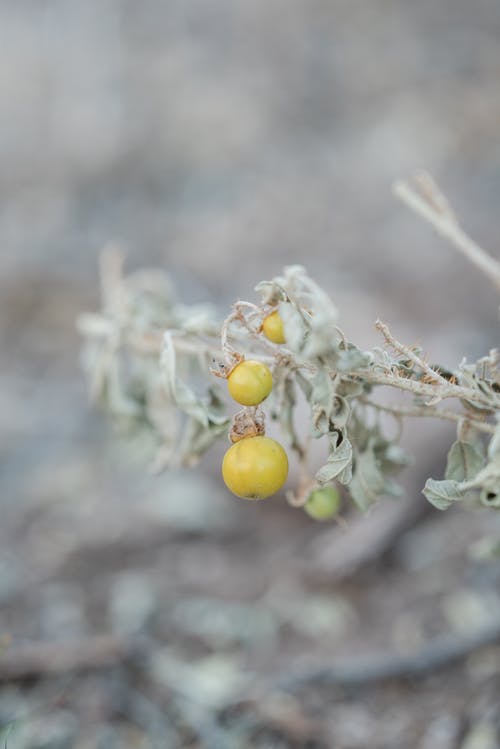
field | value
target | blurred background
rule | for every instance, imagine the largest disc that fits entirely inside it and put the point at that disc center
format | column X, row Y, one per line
column 221, row 140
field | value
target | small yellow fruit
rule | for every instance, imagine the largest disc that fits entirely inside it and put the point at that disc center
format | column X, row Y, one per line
column 272, row 327
column 250, row 383
column 255, row 467
column 323, row 504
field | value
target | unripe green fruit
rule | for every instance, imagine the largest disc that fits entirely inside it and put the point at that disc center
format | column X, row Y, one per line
column 323, row 504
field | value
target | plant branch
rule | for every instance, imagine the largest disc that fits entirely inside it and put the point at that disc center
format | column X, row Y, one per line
column 432, row 412
column 144, row 342
column 421, row 388
column 410, row 354
column 428, row 202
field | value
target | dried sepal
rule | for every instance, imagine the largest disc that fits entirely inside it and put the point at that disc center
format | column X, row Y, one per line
column 249, row 422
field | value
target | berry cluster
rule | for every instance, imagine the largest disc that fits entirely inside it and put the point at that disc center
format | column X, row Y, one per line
column 143, row 348
column 255, row 466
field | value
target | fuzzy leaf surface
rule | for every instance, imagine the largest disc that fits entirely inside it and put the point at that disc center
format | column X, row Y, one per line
column 464, row 462
column 442, row 494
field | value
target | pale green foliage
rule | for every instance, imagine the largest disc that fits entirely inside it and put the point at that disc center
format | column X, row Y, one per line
column 148, row 361
column 468, row 470
column 142, row 352
column 464, row 461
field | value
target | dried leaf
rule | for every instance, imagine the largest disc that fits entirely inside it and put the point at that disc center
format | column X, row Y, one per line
column 271, row 292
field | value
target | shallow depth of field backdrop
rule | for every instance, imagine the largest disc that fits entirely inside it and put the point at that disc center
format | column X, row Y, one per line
column 220, row 141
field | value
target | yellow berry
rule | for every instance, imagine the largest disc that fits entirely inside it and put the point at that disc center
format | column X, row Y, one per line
column 250, row 383
column 255, row 467
column 272, row 327
column 323, row 504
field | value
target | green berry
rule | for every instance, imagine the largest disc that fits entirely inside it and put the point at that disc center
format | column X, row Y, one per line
column 323, row 504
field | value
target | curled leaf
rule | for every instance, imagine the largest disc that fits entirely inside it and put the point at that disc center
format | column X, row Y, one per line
column 490, row 496
column 338, row 460
column 442, row 494
column 304, row 384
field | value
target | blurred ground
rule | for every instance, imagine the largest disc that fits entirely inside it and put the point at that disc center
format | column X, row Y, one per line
column 221, row 140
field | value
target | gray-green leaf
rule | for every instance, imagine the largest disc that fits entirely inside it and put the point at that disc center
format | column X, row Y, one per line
column 352, row 358
column 338, row 460
column 442, row 494
column 464, row 462
column 177, row 390
column 304, row 384
column 494, row 446
column 294, row 326
column 367, row 482
column 393, row 458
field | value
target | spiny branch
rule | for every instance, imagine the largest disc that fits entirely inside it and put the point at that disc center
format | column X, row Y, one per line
column 378, row 377
column 431, row 412
column 410, row 354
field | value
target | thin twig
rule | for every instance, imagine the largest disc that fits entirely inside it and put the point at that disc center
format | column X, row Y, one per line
column 237, row 315
column 421, row 388
column 446, row 224
column 432, row 412
column 409, row 354
column 430, row 191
